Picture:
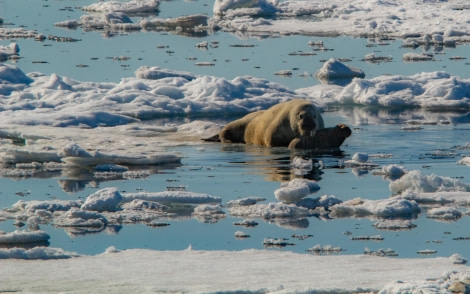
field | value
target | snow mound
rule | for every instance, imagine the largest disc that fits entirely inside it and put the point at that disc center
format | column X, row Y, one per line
column 336, row 70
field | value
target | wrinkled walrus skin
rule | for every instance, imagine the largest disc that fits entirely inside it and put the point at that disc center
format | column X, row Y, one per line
column 296, row 124
column 276, row 126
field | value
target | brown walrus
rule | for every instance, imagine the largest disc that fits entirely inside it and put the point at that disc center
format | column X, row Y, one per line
column 294, row 124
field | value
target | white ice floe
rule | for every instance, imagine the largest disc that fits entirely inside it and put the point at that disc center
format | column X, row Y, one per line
column 444, row 213
column 416, row 181
column 464, row 160
column 172, row 197
column 394, row 225
column 45, row 253
column 360, row 160
column 269, row 211
column 336, row 70
column 209, row 212
column 133, row 6
column 383, row 208
column 295, row 190
column 23, row 237
column 9, row 51
column 245, row 201
column 393, row 171
column 427, row 90
column 74, row 155
column 107, row 199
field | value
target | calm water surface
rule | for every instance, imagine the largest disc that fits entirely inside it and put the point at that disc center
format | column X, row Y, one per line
column 232, row 172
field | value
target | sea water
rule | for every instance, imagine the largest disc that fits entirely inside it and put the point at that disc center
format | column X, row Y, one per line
column 238, row 171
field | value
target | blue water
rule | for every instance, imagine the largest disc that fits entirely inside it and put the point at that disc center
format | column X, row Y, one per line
column 239, row 171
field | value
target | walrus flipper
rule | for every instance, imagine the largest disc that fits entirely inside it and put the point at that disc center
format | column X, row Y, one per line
column 215, row 138
column 324, row 139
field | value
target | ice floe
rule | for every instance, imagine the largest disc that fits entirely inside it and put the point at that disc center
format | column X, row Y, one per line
column 295, row 190
column 418, row 182
column 23, row 237
column 383, row 208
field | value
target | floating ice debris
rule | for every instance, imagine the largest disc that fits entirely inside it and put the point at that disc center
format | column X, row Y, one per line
column 383, row 208
column 246, row 223
column 440, row 198
column 285, row 72
column 464, row 160
column 23, row 237
column 427, row 251
column 444, row 213
column 9, row 51
column 300, row 163
column 277, row 242
column 260, row 7
column 203, row 45
column 301, row 237
column 394, row 225
column 81, row 218
column 48, row 205
column 380, row 252
column 392, row 171
column 368, row 238
column 245, row 201
column 269, row 211
column 417, row 182
column 172, row 197
column 74, row 155
column 360, row 160
column 410, row 57
column 325, row 249
column 36, row 253
column 208, row 213
column 458, row 259
column 241, row 235
column 336, row 70
column 107, row 199
column 157, row 224
column 372, row 58
column 156, row 73
column 133, row 6
column 295, row 190
column 324, row 201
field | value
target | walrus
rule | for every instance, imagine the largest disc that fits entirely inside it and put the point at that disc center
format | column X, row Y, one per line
column 294, row 124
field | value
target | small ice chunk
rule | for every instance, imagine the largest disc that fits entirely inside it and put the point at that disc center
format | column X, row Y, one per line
column 241, row 235
column 334, row 70
column 444, row 213
column 23, row 237
column 458, row 259
column 107, row 199
column 295, row 190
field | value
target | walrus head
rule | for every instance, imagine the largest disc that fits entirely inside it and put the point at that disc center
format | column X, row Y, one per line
column 308, row 120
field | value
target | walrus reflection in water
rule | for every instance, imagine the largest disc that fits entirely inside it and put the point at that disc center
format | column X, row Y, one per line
column 294, row 124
